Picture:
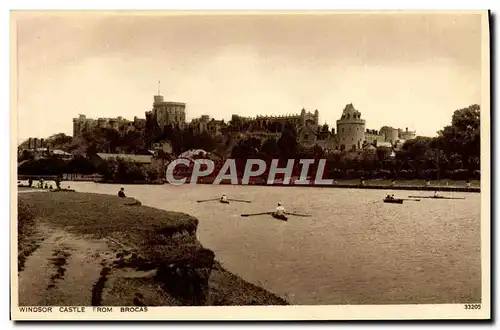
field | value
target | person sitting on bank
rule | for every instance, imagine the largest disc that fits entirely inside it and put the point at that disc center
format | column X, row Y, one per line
column 393, row 183
column 436, row 193
column 223, row 198
column 427, row 183
column 280, row 210
column 121, row 193
column 467, row 184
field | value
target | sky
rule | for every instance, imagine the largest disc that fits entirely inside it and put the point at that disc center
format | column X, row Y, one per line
column 405, row 70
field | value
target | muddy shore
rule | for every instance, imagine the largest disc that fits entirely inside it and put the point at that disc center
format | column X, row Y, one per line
column 100, row 250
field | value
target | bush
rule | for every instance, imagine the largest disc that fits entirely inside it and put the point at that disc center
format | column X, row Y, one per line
column 460, row 174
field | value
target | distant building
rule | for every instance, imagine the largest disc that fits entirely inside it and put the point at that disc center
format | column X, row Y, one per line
column 351, row 129
column 82, row 124
column 352, row 134
column 167, row 112
column 209, row 125
column 141, row 159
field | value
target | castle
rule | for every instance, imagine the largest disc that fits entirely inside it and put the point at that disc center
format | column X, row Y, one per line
column 167, row 112
column 350, row 133
column 164, row 112
column 82, row 124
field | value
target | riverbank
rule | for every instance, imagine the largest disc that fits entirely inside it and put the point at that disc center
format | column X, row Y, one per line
column 418, row 185
column 93, row 249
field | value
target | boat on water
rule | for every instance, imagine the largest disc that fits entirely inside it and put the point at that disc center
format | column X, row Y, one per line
column 393, row 200
column 224, row 202
column 279, row 216
column 437, row 197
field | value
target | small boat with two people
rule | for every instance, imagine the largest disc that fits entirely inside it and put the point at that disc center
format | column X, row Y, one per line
column 391, row 199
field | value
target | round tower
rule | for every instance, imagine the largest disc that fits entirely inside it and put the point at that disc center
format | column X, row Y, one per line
column 158, row 99
column 390, row 134
column 351, row 128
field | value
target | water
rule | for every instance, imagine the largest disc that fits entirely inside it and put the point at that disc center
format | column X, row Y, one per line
column 353, row 250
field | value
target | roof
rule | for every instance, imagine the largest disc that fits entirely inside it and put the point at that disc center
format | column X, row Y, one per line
column 143, row 159
column 191, row 153
column 384, row 144
column 60, row 152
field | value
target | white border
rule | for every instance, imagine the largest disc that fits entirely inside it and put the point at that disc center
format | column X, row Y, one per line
column 251, row 5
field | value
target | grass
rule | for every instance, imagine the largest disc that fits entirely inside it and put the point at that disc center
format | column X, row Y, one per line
column 26, row 228
column 101, row 215
column 158, row 237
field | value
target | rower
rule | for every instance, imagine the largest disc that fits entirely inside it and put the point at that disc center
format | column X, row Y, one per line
column 223, row 198
column 280, row 210
column 121, row 193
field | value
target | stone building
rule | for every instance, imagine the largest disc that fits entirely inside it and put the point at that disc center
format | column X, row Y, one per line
column 82, row 124
column 167, row 112
column 352, row 135
column 298, row 120
column 350, row 129
column 209, row 125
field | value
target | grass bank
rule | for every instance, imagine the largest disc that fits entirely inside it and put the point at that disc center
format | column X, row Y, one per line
column 152, row 257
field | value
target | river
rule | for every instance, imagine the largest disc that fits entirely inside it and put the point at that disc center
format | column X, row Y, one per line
column 353, row 250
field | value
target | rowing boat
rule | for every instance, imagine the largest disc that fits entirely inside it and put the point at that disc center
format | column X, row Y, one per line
column 224, row 202
column 437, row 197
column 393, row 200
column 279, row 216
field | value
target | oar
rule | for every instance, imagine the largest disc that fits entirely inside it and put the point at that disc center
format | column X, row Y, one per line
column 239, row 200
column 208, row 200
column 252, row 214
column 298, row 214
column 415, row 200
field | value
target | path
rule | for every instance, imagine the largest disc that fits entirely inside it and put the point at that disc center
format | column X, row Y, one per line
column 67, row 270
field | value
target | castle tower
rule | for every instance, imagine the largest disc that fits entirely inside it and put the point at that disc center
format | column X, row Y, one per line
column 316, row 117
column 303, row 117
column 390, row 134
column 351, row 128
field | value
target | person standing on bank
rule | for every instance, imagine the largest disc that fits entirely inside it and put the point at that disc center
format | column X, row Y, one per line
column 121, row 193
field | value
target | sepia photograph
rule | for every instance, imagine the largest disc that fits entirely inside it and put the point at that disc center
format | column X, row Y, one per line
column 323, row 165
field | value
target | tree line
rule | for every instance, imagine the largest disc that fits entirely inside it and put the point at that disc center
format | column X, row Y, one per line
column 454, row 153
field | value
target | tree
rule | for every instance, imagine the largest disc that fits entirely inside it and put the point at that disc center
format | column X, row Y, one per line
column 270, row 148
column 463, row 136
column 288, row 142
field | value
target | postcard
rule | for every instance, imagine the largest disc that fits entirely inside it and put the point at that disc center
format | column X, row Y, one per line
column 250, row 165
